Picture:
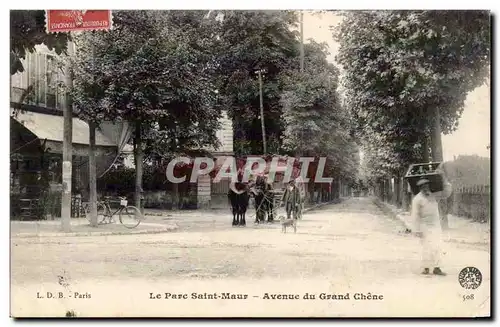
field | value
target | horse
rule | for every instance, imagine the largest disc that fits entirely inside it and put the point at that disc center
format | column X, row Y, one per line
column 263, row 201
column 239, row 197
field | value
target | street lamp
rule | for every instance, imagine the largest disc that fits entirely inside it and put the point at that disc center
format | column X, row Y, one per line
column 260, row 72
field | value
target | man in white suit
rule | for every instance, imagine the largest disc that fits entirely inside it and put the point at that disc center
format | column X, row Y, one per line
column 425, row 214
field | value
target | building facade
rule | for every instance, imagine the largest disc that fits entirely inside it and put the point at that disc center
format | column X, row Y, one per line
column 36, row 131
column 214, row 194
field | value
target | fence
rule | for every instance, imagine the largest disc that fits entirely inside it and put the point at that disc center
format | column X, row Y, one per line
column 473, row 202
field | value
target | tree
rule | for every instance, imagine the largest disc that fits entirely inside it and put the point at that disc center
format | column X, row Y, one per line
column 402, row 66
column 307, row 97
column 155, row 69
column 27, row 29
column 315, row 122
column 249, row 41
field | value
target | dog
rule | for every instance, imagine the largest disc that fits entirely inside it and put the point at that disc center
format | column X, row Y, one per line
column 288, row 222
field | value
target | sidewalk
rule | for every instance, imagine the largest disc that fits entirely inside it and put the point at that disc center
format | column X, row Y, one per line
column 156, row 221
column 197, row 212
column 81, row 227
column 461, row 230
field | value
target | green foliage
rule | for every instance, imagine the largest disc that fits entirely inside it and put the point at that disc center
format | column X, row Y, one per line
column 248, row 41
column 27, row 29
column 121, row 180
column 399, row 66
column 316, row 124
column 156, row 67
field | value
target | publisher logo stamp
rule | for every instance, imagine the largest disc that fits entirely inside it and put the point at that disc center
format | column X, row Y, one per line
column 470, row 278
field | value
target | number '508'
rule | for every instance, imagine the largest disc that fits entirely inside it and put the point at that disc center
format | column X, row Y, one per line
column 468, row 297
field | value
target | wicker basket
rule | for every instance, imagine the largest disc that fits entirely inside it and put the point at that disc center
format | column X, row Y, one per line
column 425, row 170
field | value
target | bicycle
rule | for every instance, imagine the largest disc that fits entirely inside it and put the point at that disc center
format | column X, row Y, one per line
column 129, row 216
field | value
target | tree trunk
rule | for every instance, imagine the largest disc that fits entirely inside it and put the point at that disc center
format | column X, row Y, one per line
column 437, row 156
column 397, row 191
column 387, row 185
column 332, row 192
column 310, row 188
column 175, row 196
column 394, row 191
column 388, row 190
column 336, row 189
column 382, row 189
column 138, row 166
column 404, row 195
column 436, row 146
column 67, row 157
column 92, row 176
column 341, row 188
column 425, row 149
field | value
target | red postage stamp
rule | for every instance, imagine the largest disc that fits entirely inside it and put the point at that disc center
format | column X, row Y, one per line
column 78, row 20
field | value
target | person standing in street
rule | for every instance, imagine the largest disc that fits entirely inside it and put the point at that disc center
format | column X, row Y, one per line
column 427, row 224
column 299, row 183
column 269, row 198
column 291, row 200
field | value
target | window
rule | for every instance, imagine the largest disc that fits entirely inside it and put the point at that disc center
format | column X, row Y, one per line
column 52, row 78
column 42, row 79
column 54, row 169
column 60, row 96
column 43, row 73
column 32, row 76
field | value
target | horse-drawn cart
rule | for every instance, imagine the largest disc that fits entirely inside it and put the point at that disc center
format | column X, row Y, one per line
column 266, row 203
column 272, row 207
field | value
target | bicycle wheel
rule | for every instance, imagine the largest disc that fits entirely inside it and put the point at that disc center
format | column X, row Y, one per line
column 102, row 212
column 130, row 217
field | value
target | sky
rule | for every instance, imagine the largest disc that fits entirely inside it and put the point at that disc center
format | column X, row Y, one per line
column 473, row 133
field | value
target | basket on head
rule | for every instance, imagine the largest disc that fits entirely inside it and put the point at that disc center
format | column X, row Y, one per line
column 428, row 171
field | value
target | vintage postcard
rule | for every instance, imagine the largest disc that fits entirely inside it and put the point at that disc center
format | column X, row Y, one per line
column 265, row 163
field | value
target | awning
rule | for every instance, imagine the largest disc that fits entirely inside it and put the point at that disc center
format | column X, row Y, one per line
column 50, row 127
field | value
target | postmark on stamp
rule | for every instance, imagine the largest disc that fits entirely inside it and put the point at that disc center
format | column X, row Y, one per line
column 77, row 20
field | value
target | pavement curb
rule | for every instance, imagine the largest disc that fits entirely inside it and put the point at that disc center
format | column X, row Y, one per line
column 317, row 206
column 166, row 229
column 393, row 214
column 408, row 228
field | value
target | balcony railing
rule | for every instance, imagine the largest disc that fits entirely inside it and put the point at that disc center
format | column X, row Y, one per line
column 43, row 100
